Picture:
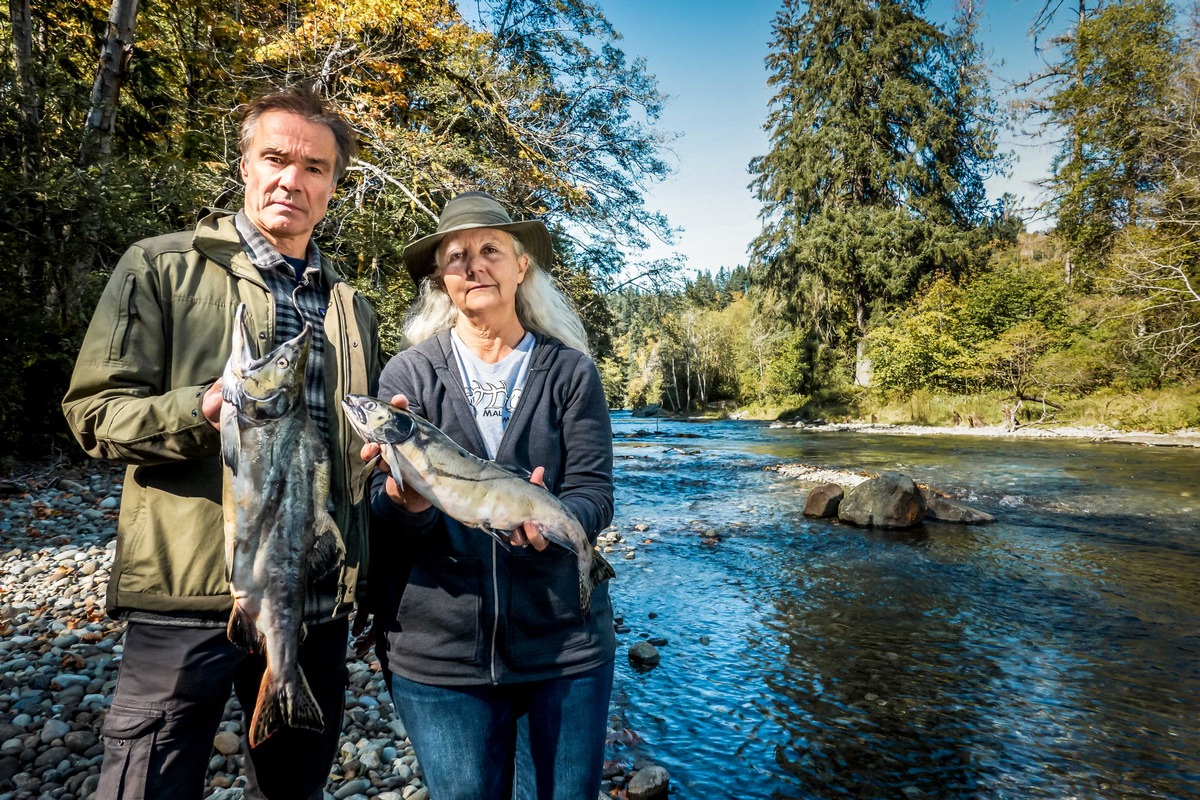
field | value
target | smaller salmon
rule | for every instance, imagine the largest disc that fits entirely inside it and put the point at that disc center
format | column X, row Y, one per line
column 479, row 494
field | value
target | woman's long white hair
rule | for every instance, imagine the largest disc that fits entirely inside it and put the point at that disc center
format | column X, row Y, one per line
column 541, row 308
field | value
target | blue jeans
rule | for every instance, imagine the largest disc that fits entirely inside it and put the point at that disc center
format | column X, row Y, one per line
column 542, row 740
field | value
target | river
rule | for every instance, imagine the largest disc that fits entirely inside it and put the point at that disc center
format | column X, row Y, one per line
column 1052, row 654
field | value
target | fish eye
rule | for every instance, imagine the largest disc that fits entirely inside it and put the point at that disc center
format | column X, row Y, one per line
column 282, row 363
column 370, row 405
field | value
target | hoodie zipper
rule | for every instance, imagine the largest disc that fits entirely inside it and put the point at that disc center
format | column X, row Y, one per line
column 495, row 610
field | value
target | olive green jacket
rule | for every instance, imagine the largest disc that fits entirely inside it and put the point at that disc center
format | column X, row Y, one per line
column 159, row 338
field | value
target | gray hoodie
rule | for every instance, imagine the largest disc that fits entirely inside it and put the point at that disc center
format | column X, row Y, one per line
column 453, row 606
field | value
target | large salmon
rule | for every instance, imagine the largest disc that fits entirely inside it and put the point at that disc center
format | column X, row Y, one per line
column 278, row 531
column 478, row 493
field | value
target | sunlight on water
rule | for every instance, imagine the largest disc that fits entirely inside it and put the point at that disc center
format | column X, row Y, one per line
column 1052, row 654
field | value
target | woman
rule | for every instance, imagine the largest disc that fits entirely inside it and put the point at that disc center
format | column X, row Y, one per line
column 500, row 678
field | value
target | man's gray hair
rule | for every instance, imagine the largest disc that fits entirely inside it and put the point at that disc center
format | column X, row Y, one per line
column 307, row 103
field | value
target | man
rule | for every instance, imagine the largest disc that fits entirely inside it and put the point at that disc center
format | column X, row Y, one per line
column 145, row 392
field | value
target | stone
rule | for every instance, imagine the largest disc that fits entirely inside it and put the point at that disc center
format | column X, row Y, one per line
column 350, row 788
column 234, row 793
column 643, row 656
column 9, row 766
column 50, row 757
column 80, row 741
column 646, row 784
column 890, row 500
column 823, row 501
column 943, row 509
column 227, row 743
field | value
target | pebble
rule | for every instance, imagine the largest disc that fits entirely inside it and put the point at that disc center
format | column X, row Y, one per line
column 226, row 743
column 351, row 788
column 54, row 729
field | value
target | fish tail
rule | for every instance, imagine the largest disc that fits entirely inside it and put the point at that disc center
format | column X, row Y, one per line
column 289, row 703
column 600, row 571
column 242, row 631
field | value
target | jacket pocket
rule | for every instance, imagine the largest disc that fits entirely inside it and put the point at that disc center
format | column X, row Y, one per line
column 130, row 733
column 545, row 618
column 118, row 345
column 439, row 613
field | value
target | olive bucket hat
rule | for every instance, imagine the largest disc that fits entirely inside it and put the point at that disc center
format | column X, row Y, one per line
column 476, row 210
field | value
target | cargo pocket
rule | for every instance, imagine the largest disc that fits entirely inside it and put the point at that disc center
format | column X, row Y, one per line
column 130, row 731
column 127, row 312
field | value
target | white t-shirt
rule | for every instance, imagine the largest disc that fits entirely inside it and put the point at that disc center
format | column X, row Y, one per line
column 493, row 389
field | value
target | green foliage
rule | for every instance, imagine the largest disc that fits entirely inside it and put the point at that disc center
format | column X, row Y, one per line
column 881, row 134
column 1115, row 76
column 533, row 101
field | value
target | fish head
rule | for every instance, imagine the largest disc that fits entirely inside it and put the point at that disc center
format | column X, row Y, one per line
column 377, row 421
column 270, row 386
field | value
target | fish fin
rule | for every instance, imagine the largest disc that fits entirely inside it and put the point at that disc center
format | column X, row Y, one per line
column 500, row 536
column 242, row 631
column 288, row 704
column 601, row 571
column 327, row 554
column 229, row 450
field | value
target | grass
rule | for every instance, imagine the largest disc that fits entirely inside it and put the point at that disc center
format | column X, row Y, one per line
column 1160, row 411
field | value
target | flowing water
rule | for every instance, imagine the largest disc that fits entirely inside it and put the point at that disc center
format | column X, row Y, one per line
column 1052, row 654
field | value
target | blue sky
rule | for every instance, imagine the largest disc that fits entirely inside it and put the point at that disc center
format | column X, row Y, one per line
column 708, row 57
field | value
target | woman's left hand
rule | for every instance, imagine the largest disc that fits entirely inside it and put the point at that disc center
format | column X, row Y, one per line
column 528, row 533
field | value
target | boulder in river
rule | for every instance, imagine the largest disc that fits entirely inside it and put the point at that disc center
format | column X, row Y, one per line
column 643, row 657
column 890, row 500
column 943, row 509
column 823, row 501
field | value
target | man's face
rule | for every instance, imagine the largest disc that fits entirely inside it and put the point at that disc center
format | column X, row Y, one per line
column 288, row 169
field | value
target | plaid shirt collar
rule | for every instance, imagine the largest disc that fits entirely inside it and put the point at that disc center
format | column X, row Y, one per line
column 264, row 256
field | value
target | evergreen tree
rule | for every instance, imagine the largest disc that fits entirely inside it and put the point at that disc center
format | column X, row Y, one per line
column 881, row 133
column 1121, row 60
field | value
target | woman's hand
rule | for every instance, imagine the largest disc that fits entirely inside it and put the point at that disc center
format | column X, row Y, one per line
column 406, row 497
column 529, row 533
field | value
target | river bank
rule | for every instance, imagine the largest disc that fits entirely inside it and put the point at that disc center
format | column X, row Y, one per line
column 1183, row 438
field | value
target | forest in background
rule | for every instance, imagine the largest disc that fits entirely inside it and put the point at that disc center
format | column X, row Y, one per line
column 886, row 284
column 881, row 259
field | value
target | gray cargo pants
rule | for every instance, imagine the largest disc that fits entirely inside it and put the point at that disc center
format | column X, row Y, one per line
column 171, row 692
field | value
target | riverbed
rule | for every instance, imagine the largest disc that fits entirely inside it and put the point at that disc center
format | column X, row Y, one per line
column 1052, row 654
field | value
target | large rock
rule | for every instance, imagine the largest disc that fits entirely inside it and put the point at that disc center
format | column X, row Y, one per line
column 643, row 657
column 823, row 501
column 944, row 509
column 648, row 783
column 649, row 410
column 890, row 500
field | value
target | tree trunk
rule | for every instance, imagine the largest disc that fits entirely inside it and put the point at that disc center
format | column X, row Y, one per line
column 110, row 74
column 28, row 113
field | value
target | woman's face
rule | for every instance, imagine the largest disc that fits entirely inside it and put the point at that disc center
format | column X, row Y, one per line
column 480, row 271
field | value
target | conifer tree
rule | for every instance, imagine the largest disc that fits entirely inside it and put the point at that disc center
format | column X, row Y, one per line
column 1122, row 60
column 881, row 134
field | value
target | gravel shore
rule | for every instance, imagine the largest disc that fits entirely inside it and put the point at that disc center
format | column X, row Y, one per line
column 1182, row 438
column 59, row 655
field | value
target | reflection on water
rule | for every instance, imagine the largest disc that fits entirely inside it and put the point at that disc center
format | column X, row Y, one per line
column 1051, row 655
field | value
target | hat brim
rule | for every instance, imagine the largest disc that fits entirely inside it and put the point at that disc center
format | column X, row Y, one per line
column 419, row 256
